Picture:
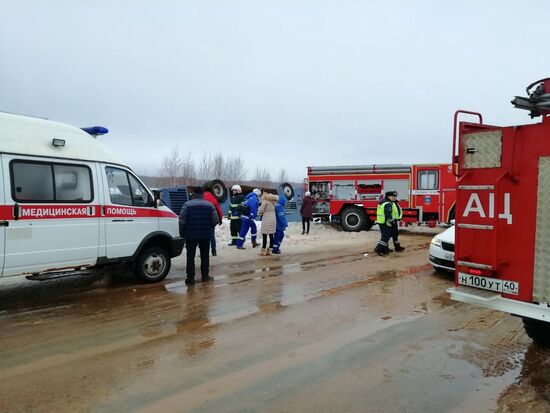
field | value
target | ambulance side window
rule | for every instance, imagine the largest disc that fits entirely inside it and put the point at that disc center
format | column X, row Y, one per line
column 119, row 187
column 125, row 189
column 73, row 183
column 140, row 195
column 34, row 181
column 428, row 179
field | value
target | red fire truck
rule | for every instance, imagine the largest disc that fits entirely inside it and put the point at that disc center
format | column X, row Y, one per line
column 350, row 194
column 502, row 252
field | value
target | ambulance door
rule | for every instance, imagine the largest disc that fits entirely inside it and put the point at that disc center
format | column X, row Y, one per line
column 54, row 224
column 4, row 216
column 129, row 213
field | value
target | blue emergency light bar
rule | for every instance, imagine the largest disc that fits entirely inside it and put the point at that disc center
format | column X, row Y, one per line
column 96, row 130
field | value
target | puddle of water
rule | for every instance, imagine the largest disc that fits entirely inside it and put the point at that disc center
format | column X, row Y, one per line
column 234, row 315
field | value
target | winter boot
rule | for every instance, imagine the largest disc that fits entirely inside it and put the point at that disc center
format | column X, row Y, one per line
column 399, row 248
column 189, row 281
column 254, row 243
column 263, row 252
column 269, row 251
column 206, row 278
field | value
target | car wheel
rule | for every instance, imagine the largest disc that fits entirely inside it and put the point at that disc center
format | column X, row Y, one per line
column 353, row 219
column 152, row 265
column 538, row 331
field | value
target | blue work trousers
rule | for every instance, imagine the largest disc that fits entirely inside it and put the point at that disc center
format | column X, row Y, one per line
column 248, row 223
column 279, row 236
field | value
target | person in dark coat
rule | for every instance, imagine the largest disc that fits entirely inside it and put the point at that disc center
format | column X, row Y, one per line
column 197, row 219
column 306, row 210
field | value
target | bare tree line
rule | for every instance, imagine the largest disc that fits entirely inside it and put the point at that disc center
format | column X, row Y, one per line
column 179, row 168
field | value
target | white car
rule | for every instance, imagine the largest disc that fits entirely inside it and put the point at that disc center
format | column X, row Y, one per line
column 442, row 250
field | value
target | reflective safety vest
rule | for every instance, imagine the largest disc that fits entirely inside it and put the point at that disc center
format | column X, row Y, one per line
column 396, row 213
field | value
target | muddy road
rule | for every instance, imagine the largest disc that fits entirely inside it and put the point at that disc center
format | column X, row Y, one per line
column 322, row 331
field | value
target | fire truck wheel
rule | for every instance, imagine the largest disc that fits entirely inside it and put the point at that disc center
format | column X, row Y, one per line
column 152, row 265
column 218, row 189
column 288, row 191
column 538, row 331
column 353, row 219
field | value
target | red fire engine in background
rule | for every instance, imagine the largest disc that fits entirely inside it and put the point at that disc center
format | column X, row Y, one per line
column 502, row 251
column 350, row 194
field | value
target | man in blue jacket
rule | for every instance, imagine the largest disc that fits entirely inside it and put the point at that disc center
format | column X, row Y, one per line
column 249, row 210
column 282, row 223
column 197, row 219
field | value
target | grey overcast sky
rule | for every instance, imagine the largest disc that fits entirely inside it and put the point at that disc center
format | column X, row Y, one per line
column 286, row 84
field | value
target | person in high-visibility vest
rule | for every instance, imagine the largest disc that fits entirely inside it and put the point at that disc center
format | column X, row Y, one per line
column 386, row 214
column 234, row 213
column 395, row 227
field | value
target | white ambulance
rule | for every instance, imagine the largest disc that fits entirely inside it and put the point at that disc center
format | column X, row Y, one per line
column 67, row 205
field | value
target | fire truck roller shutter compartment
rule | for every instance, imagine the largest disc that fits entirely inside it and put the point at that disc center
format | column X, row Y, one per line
column 399, row 185
column 541, row 282
column 343, row 190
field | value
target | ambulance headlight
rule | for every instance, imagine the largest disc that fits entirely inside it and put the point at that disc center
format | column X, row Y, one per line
column 436, row 242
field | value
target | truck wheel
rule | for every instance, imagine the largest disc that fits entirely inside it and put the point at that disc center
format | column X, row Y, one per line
column 288, row 191
column 538, row 331
column 152, row 265
column 218, row 189
column 353, row 219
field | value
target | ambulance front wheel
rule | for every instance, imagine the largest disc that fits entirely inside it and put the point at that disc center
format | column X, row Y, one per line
column 538, row 331
column 152, row 265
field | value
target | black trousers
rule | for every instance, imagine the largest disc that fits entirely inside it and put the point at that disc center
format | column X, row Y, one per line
column 386, row 233
column 204, row 247
column 235, row 228
column 264, row 241
column 305, row 222
column 395, row 233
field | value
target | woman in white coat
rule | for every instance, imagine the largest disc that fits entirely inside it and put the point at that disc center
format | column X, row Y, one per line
column 269, row 221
